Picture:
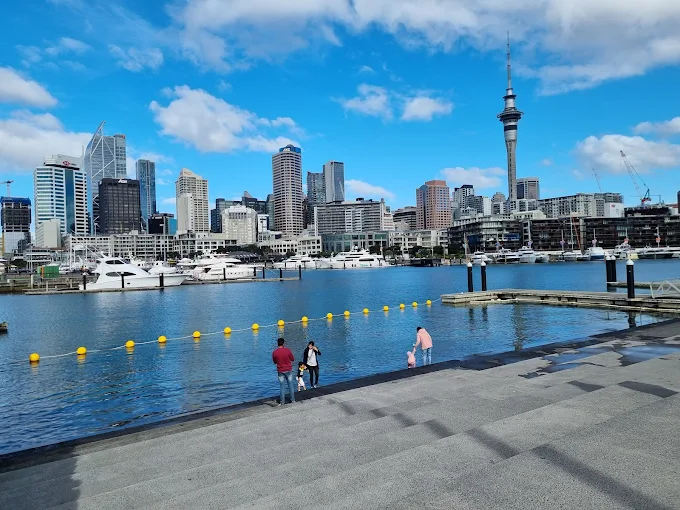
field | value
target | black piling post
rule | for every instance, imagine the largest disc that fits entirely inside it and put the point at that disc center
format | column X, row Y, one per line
column 630, row 279
column 122, row 281
column 469, row 272
column 483, row 276
column 161, row 277
column 263, row 273
column 84, row 281
column 613, row 269
column 224, row 273
column 608, row 267
column 300, row 272
column 280, row 274
column 255, row 272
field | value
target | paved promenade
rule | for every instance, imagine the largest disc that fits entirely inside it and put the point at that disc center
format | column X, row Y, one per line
column 594, row 428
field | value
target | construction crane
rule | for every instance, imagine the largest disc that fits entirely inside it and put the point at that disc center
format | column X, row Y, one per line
column 633, row 173
column 8, row 184
column 597, row 178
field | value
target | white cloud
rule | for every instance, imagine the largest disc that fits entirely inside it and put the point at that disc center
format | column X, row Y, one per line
column 166, row 172
column 16, row 89
column 135, row 60
column 27, row 138
column 162, row 182
column 669, row 127
column 366, row 190
column 603, row 153
column 366, row 69
column 212, row 125
column 586, row 42
column 372, row 101
column 480, row 178
column 66, row 45
column 169, row 201
column 425, row 108
column 547, row 162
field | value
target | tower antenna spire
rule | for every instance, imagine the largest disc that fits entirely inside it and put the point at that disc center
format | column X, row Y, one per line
column 508, row 53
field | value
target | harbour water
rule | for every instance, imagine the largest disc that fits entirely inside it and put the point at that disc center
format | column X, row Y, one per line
column 65, row 398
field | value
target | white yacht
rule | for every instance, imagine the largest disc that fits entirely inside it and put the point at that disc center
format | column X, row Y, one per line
column 572, row 256
column 526, row 255
column 159, row 267
column 505, row 256
column 221, row 269
column 542, row 258
column 115, row 273
column 655, row 253
column 296, row 261
column 595, row 253
column 478, row 257
column 624, row 252
column 357, row 259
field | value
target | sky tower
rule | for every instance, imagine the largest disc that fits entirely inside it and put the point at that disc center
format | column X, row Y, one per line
column 510, row 117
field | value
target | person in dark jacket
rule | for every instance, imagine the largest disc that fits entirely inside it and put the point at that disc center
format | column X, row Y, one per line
column 311, row 360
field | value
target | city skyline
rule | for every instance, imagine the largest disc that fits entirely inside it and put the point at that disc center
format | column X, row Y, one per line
column 397, row 115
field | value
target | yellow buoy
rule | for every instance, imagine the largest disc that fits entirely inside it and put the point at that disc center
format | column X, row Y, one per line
column 162, row 339
column 415, row 304
column 305, row 319
column 386, row 308
column 130, row 344
column 366, row 311
column 227, row 331
column 281, row 323
column 197, row 334
column 329, row 316
column 346, row 314
column 256, row 327
column 428, row 302
column 81, row 351
column 402, row 306
column 34, row 357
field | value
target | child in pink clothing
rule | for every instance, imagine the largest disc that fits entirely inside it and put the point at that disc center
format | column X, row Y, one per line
column 411, row 359
column 424, row 339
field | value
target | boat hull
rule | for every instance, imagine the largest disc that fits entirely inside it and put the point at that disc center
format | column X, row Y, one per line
column 145, row 282
column 294, row 265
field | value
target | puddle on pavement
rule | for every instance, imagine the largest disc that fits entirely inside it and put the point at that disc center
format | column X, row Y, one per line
column 639, row 353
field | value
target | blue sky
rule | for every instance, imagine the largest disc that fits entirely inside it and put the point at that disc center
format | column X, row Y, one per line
column 402, row 91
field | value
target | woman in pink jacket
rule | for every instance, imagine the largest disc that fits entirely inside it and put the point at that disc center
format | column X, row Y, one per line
column 424, row 339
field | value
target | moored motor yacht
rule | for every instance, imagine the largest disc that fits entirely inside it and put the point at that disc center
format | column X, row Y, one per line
column 542, row 258
column 572, row 256
column 221, row 270
column 159, row 267
column 115, row 273
column 655, row 253
column 595, row 253
column 478, row 257
column 526, row 255
column 624, row 251
column 357, row 259
column 505, row 256
column 295, row 262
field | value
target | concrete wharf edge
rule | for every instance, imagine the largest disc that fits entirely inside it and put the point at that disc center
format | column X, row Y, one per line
column 194, row 420
column 605, row 300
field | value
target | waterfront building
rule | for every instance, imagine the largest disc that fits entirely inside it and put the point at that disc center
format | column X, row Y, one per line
column 185, row 213
column 429, row 238
column 335, row 243
column 279, row 244
column 433, row 205
column 486, row 233
column 481, row 205
column 60, row 192
column 357, row 216
column 162, row 224
column 405, row 218
column 334, row 181
column 287, row 181
column 528, row 188
column 193, row 184
column 388, row 220
column 262, row 222
column 240, row 223
column 510, row 117
column 582, row 204
column 146, row 175
column 316, row 190
column 105, row 158
column 499, row 204
column 48, row 234
column 15, row 220
column 119, row 206
column 201, row 242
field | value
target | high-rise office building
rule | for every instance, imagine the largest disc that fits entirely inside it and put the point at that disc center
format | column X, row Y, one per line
column 316, row 193
column 15, row 220
column 119, row 209
column 527, row 187
column 247, row 200
column 270, row 210
column 287, row 180
column 498, row 203
column 433, row 205
column 359, row 216
column 191, row 183
column 60, row 192
column 162, row 224
column 146, row 175
column 216, row 215
column 460, row 194
column 104, row 158
column 334, row 181
column 185, row 213
column 405, row 218
column 510, row 117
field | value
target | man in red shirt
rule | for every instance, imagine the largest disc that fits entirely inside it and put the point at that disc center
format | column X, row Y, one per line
column 283, row 359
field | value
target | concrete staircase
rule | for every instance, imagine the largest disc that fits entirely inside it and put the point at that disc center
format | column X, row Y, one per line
column 596, row 428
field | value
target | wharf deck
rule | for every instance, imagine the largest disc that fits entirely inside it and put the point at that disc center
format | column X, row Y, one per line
column 607, row 300
column 624, row 285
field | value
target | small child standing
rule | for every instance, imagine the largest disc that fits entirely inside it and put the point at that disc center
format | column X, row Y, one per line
column 411, row 358
column 300, row 373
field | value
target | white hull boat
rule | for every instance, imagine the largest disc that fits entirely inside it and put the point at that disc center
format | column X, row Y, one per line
column 357, row 259
column 526, row 255
column 222, row 270
column 478, row 257
column 542, row 258
column 295, row 262
column 595, row 253
column 115, row 274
